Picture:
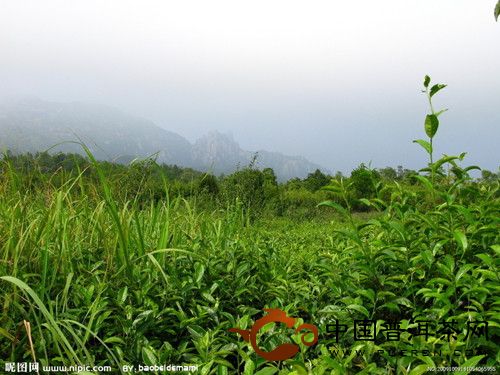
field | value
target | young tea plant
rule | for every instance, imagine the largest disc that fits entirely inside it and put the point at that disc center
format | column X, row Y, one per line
column 431, row 124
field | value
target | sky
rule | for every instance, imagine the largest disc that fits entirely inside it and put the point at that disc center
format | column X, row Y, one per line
column 338, row 82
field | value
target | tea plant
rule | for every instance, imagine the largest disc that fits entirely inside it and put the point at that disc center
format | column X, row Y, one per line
column 437, row 259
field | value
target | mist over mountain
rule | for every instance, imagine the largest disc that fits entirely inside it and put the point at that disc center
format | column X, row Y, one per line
column 31, row 125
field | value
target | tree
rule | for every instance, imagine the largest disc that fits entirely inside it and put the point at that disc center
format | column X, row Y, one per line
column 363, row 182
column 488, row 176
column 246, row 185
column 208, row 184
column 388, row 173
column 270, row 177
column 316, row 180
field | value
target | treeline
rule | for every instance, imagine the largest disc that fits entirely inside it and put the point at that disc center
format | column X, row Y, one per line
column 146, row 181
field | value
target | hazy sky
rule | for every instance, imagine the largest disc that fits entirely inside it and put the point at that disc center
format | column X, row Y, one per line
column 336, row 81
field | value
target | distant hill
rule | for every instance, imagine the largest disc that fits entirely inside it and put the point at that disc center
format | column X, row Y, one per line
column 32, row 125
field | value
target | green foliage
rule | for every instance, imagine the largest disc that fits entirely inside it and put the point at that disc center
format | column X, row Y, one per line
column 388, row 173
column 208, row 184
column 247, row 187
column 316, row 180
column 363, row 183
column 490, row 177
column 437, row 261
column 152, row 264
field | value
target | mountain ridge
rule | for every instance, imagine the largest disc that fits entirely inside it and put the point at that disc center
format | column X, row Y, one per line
column 33, row 125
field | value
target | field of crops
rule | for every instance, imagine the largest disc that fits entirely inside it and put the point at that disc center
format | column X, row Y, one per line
column 90, row 280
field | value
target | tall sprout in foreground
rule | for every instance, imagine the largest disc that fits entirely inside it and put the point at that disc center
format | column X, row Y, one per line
column 431, row 123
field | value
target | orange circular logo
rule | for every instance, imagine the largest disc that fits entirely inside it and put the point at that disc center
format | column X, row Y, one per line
column 283, row 351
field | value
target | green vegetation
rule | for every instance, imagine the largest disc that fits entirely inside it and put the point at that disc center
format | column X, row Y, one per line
column 152, row 264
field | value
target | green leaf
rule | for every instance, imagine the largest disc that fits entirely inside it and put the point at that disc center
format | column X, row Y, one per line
column 6, row 334
column 486, row 259
column 431, row 125
column 222, row 370
column 439, row 113
column 199, row 271
column 368, row 293
column 114, row 340
column 299, row 368
column 206, row 368
column 419, row 370
column 334, row 205
column 332, row 188
column 427, row 257
column 461, row 239
column 496, row 249
column 443, row 160
column 463, row 270
column 267, row 371
column 426, row 145
column 149, row 357
column 469, row 363
column 366, row 202
column 360, row 309
column 497, row 10
column 436, row 88
column 472, row 167
column 122, row 295
column 427, row 81
column 457, row 172
column 425, row 181
column 249, row 367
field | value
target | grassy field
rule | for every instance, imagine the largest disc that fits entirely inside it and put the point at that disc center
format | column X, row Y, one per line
column 89, row 280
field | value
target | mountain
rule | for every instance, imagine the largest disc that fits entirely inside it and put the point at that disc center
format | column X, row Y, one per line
column 35, row 125
column 31, row 125
column 221, row 153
